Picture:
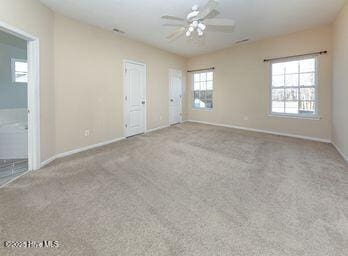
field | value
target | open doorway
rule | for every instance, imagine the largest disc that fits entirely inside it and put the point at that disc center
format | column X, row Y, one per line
column 13, row 106
column 19, row 108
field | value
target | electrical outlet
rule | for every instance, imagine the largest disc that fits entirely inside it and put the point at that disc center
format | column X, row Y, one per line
column 246, row 118
column 87, row 133
column 161, row 118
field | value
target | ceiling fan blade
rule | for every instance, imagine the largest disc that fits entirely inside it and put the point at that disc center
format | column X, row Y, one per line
column 173, row 25
column 207, row 9
column 225, row 29
column 177, row 33
column 212, row 14
column 167, row 17
column 219, row 22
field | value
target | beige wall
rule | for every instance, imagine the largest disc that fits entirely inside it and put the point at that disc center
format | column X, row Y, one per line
column 35, row 19
column 89, row 83
column 241, row 84
column 81, row 80
column 340, row 83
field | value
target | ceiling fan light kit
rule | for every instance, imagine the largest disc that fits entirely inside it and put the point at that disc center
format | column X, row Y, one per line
column 198, row 20
column 201, row 26
column 199, row 32
column 196, row 26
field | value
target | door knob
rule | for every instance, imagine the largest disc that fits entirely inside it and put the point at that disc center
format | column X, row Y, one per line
column 143, row 102
column 171, row 100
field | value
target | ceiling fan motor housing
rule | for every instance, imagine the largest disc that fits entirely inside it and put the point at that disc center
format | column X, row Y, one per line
column 192, row 15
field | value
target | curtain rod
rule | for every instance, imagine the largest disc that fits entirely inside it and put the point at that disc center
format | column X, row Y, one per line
column 197, row 70
column 294, row 56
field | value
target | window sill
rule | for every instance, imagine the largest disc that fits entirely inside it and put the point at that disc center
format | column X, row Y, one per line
column 203, row 109
column 315, row 118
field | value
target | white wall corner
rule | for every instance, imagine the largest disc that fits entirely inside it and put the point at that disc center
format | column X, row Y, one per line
column 340, row 151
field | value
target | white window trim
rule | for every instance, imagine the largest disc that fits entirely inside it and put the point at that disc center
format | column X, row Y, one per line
column 193, row 90
column 316, row 116
column 13, row 70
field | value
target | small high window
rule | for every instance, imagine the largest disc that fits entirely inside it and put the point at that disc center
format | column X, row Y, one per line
column 19, row 71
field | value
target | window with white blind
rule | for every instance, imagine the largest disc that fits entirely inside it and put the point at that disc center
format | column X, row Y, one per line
column 294, row 87
column 203, row 90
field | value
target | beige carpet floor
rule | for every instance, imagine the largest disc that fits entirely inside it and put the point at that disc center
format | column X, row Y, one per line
column 190, row 189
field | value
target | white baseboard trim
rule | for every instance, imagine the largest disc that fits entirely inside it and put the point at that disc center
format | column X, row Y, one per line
column 340, row 151
column 48, row 161
column 78, row 150
column 158, row 128
column 263, row 131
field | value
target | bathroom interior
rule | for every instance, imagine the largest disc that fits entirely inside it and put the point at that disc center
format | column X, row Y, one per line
column 13, row 107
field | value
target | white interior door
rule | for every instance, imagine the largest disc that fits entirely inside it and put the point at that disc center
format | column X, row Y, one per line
column 175, row 96
column 135, row 95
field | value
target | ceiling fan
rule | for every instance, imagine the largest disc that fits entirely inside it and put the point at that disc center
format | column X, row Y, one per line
column 199, row 20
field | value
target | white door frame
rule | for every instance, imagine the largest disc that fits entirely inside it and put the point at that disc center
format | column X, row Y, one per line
column 33, row 91
column 172, row 71
column 124, row 94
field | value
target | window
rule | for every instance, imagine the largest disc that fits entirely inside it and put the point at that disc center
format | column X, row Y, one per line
column 203, row 90
column 294, row 88
column 19, row 71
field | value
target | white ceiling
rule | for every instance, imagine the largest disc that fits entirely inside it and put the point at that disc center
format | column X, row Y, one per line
column 255, row 19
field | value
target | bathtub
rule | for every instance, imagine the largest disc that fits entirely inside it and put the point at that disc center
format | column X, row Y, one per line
column 14, row 141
